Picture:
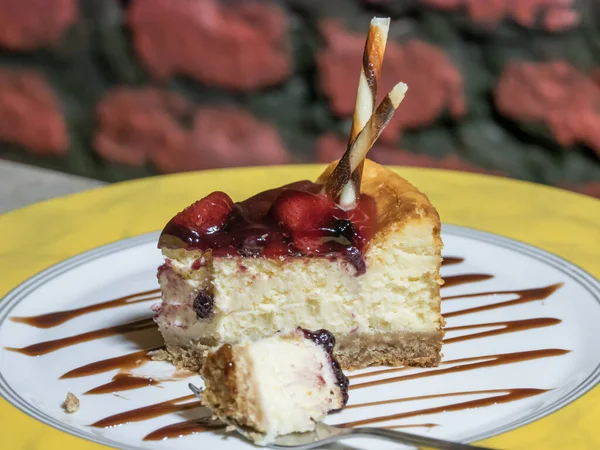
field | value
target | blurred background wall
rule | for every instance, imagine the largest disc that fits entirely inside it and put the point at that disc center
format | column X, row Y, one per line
column 117, row 89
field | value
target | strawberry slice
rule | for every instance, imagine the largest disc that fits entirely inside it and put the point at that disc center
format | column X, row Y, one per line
column 206, row 215
column 364, row 217
column 302, row 212
column 310, row 244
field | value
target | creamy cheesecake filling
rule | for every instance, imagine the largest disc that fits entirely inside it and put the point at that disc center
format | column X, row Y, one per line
column 256, row 297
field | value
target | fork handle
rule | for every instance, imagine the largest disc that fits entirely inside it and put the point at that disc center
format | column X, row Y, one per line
column 408, row 438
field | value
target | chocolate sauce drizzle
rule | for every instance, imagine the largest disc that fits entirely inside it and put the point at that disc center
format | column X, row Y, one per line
column 124, row 380
column 56, row 318
column 180, row 429
column 125, row 362
column 523, row 296
column 428, row 397
column 43, row 348
column 510, row 326
column 452, row 260
column 455, row 280
column 510, row 395
column 474, row 362
column 149, row 412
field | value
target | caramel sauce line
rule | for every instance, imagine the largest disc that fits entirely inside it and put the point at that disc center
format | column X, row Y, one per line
column 56, row 318
column 123, row 382
column 511, row 396
column 472, row 363
column 179, row 429
column 452, row 260
column 506, row 327
column 524, row 296
column 430, row 396
column 148, row 412
column 125, row 362
column 456, row 280
column 43, row 348
column 186, row 428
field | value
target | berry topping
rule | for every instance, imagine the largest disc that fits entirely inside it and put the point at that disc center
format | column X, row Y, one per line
column 197, row 263
column 290, row 221
column 355, row 257
column 206, row 215
column 203, row 305
column 309, row 243
column 300, row 211
column 326, row 340
column 343, row 229
column 253, row 244
column 363, row 217
column 323, row 338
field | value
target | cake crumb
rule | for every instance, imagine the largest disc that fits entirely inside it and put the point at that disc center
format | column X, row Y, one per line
column 159, row 355
column 71, row 403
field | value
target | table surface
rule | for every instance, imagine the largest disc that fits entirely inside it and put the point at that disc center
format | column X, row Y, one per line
column 22, row 185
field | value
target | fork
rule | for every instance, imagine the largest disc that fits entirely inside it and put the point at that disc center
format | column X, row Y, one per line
column 326, row 434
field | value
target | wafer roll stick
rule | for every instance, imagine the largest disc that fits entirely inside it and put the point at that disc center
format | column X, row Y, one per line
column 358, row 148
column 366, row 96
column 372, row 62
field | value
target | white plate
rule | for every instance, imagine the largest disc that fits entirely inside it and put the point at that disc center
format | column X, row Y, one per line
column 565, row 343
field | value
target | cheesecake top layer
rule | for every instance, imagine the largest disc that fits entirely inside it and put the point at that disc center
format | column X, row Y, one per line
column 397, row 200
column 298, row 220
column 293, row 220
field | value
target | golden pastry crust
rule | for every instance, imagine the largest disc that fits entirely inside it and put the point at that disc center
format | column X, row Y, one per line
column 398, row 201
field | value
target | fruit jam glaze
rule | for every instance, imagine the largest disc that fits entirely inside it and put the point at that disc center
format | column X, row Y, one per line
column 326, row 340
column 293, row 220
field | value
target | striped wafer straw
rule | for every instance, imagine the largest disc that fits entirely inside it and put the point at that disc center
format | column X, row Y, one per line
column 366, row 98
column 373, row 128
column 357, row 150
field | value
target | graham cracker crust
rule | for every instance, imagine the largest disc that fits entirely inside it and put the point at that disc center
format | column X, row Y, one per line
column 229, row 392
column 359, row 351
column 190, row 358
column 353, row 352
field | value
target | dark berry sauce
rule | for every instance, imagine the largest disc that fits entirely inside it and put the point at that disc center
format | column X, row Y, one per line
column 326, row 340
column 294, row 220
column 204, row 304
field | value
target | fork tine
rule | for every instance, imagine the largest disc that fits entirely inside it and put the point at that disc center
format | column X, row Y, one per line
column 195, row 389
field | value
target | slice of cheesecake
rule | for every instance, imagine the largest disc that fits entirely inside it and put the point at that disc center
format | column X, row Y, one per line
column 282, row 384
column 357, row 252
column 290, row 257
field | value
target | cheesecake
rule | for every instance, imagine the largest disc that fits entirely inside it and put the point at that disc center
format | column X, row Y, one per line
column 281, row 384
column 356, row 251
column 288, row 257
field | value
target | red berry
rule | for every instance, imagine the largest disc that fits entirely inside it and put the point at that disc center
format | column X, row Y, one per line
column 364, row 217
column 300, row 211
column 206, row 215
column 309, row 244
